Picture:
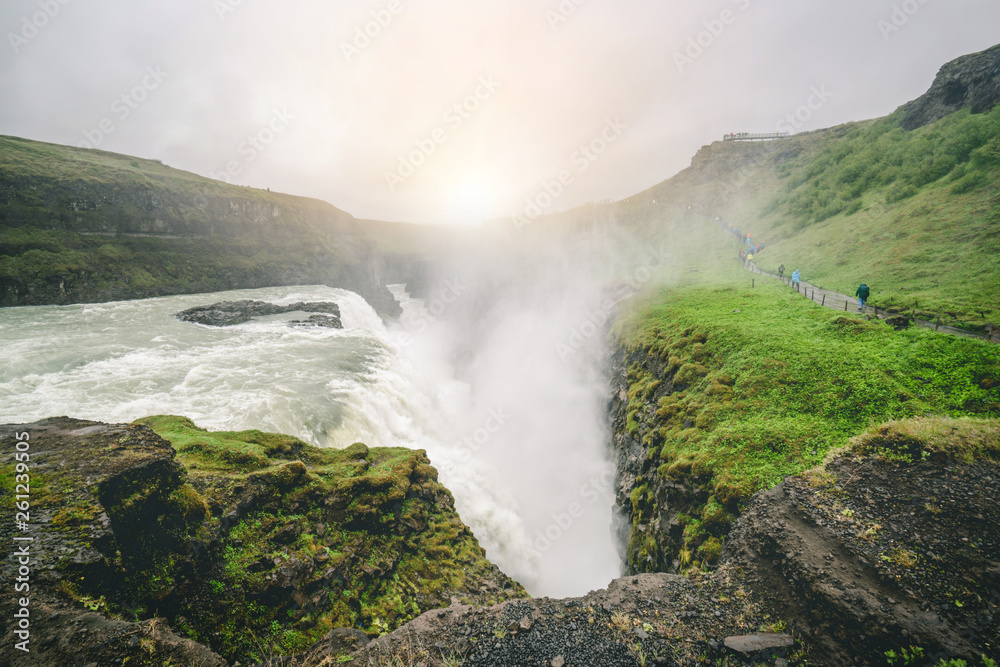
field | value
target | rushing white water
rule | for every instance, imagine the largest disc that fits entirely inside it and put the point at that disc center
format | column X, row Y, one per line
column 120, row 361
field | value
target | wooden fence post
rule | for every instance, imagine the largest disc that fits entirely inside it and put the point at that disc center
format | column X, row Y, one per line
column 753, row 283
column 824, row 301
column 845, row 306
column 938, row 325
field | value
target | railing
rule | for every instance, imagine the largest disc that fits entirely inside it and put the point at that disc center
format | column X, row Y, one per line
column 747, row 136
column 835, row 300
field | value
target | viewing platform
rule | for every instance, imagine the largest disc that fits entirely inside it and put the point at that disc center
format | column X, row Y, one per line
column 747, row 136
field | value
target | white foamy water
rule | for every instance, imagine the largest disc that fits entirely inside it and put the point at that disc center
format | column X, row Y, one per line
column 120, row 361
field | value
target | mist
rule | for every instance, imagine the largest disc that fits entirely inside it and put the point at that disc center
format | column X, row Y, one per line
column 513, row 326
column 350, row 108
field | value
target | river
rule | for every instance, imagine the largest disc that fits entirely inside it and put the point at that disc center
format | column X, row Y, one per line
column 533, row 485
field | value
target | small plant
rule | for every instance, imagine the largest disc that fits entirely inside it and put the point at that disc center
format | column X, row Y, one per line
column 621, row 621
column 906, row 656
column 870, row 531
column 94, row 604
column 776, row 627
column 901, row 556
column 380, row 626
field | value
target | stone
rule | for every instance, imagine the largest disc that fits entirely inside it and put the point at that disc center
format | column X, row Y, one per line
column 759, row 642
column 972, row 81
column 228, row 313
column 558, row 661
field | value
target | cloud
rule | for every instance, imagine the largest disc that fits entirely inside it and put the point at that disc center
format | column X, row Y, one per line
column 232, row 63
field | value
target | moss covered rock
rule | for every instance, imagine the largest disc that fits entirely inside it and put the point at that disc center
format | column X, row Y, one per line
column 250, row 543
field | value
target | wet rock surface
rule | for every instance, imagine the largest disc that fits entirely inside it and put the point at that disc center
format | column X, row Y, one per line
column 228, row 547
column 228, row 313
column 972, row 81
column 869, row 556
column 92, row 509
column 647, row 619
column 832, row 567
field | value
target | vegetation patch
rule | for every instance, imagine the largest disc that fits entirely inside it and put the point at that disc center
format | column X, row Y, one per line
column 732, row 390
column 259, row 544
column 965, row 440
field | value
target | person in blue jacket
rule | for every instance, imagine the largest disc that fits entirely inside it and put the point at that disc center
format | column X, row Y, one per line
column 795, row 278
column 863, row 293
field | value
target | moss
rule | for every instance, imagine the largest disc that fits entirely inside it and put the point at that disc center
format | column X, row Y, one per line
column 369, row 533
column 74, row 516
column 964, row 439
column 189, row 504
column 358, row 450
column 709, row 551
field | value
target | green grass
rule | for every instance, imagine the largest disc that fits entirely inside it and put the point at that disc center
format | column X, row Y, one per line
column 84, row 225
column 376, row 521
column 963, row 439
column 733, row 388
column 914, row 214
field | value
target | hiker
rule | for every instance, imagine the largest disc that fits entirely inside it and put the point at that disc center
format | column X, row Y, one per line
column 863, row 293
column 749, row 259
column 781, row 271
column 795, row 278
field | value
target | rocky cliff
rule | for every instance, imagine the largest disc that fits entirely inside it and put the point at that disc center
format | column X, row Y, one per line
column 220, row 548
column 972, row 82
column 887, row 552
column 84, row 225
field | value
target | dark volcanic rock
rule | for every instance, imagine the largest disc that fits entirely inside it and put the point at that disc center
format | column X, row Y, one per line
column 324, row 321
column 228, row 313
column 868, row 556
column 648, row 619
column 135, row 545
column 99, row 493
column 971, row 81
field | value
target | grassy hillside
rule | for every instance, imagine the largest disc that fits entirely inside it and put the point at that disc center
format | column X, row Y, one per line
column 732, row 388
column 88, row 225
column 914, row 214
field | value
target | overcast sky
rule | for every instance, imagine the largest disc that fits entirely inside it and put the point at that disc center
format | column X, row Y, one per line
column 296, row 97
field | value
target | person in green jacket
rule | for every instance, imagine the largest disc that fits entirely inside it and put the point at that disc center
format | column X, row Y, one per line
column 862, row 294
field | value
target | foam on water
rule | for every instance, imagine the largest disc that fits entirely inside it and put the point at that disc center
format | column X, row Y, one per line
column 120, row 361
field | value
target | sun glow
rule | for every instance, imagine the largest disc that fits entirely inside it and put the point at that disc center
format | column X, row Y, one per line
column 471, row 201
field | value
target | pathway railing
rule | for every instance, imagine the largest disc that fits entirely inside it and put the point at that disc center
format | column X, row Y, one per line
column 749, row 136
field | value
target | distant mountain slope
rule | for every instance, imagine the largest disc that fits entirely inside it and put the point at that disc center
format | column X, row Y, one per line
column 914, row 213
column 80, row 225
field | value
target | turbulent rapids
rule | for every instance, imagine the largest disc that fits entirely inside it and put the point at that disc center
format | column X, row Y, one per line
column 385, row 386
